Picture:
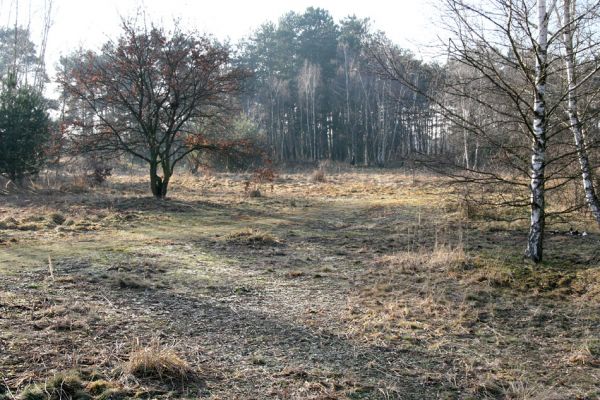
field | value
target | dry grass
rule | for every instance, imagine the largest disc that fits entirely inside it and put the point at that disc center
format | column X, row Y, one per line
column 131, row 281
column 368, row 285
column 253, row 237
column 71, row 386
column 441, row 258
column 318, row 176
column 385, row 311
column 587, row 354
column 254, row 193
column 159, row 363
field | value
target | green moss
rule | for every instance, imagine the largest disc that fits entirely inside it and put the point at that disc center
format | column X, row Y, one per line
column 32, row 392
column 113, row 394
column 594, row 346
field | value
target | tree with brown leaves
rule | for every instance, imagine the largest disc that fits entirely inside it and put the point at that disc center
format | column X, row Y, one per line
column 148, row 94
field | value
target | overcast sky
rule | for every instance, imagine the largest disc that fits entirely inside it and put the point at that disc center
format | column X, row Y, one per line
column 89, row 23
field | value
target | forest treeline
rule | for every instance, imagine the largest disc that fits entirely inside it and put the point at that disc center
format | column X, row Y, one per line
column 315, row 94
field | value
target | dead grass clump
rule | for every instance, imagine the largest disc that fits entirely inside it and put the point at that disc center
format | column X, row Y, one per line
column 496, row 277
column 114, row 394
column 587, row 354
column 32, row 392
column 159, row 363
column 254, row 193
column 70, row 386
column 129, row 281
column 67, row 324
column 587, row 284
column 62, row 310
column 253, row 237
column 318, row 175
column 32, row 223
column 521, row 390
column 442, row 258
column 56, row 218
column 107, row 390
column 99, row 386
column 79, row 184
column 9, row 223
column 30, row 227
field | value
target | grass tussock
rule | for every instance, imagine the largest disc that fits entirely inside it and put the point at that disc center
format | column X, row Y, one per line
column 587, row 354
column 254, row 193
column 9, row 223
column 253, row 237
column 159, row 363
column 71, row 386
column 57, row 218
column 131, row 281
column 441, row 258
column 318, row 176
column 62, row 386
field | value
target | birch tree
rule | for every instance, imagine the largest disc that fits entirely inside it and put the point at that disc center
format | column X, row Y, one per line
column 539, row 138
column 504, row 46
column 570, row 24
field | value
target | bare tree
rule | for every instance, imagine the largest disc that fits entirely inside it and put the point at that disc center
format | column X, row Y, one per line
column 501, row 54
column 570, row 24
column 149, row 93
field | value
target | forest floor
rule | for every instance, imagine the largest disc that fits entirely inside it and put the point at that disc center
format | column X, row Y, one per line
column 369, row 285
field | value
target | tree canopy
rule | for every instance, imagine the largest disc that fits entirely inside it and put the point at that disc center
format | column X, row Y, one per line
column 153, row 94
column 24, row 131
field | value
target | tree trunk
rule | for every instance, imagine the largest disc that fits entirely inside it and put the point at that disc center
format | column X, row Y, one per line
column 158, row 185
column 535, row 238
column 574, row 121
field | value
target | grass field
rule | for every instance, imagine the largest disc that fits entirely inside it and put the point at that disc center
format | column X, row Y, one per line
column 368, row 285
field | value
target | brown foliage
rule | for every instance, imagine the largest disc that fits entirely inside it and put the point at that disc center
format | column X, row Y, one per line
column 154, row 95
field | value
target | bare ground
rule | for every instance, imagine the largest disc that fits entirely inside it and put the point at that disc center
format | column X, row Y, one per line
column 368, row 285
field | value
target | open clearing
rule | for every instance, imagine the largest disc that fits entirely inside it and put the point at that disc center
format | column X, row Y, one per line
column 370, row 285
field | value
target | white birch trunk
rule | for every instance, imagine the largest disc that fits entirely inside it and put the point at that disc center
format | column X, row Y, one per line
column 538, row 149
column 466, row 148
column 574, row 121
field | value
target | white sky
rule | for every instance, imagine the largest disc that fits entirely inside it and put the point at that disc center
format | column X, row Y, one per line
column 88, row 23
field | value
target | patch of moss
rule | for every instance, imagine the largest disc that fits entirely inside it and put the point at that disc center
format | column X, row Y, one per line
column 113, row 394
column 32, row 392
column 61, row 386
